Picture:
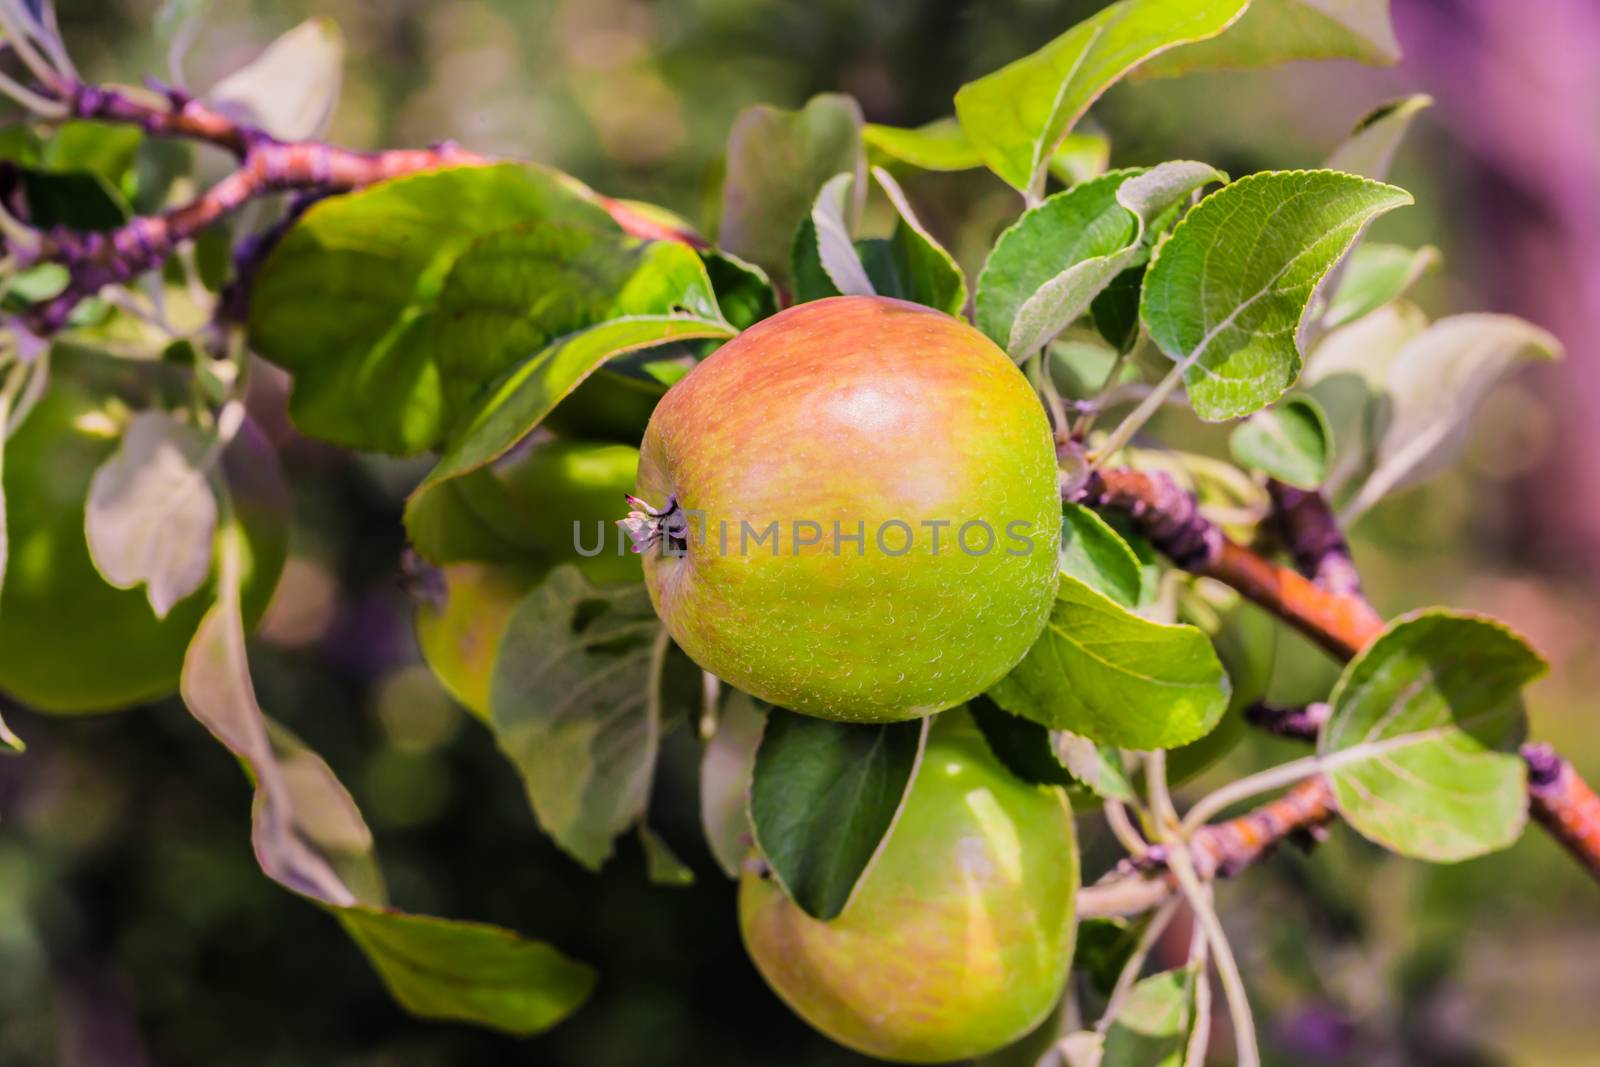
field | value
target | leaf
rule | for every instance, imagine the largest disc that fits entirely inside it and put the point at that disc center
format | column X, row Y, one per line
column 10, row 743
column 662, row 866
column 1275, row 31
column 471, row 972
column 1414, row 746
column 1018, row 115
column 1374, row 275
column 1433, row 387
column 575, row 704
column 291, row 88
column 941, row 145
column 924, row 272
column 435, row 968
column 1290, row 442
column 1104, row 946
column 1098, row 767
column 1045, row 270
column 824, row 797
column 744, row 292
column 346, row 300
column 1226, row 295
column 529, row 392
column 516, row 291
column 1152, row 1028
column 725, row 771
column 1022, row 745
column 1103, row 672
column 1371, row 146
column 1097, row 556
column 831, row 221
column 1346, row 372
column 1080, row 157
column 75, row 199
column 777, row 161
column 151, row 514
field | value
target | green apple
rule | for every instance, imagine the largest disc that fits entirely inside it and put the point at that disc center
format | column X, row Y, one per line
column 558, row 500
column 851, row 510
column 70, row 642
column 459, row 629
column 958, row 939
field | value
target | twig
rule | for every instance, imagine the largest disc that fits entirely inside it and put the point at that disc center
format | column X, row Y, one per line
column 1171, row 519
column 1313, row 539
column 1296, row 724
column 1341, row 622
column 266, row 166
column 1217, row 851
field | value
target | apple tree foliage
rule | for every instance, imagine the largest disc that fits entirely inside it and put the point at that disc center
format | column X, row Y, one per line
column 466, row 313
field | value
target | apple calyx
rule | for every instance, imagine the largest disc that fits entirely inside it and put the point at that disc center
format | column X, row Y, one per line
column 647, row 526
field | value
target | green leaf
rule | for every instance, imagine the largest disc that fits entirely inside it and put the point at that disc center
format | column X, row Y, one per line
column 529, row 392
column 75, row 199
column 1346, row 372
column 1045, row 270
column 151, row 514
column 469, row 972
column 1152, row 1028
column 1225, row 296
column 1433, row 387
column 832, row 220
column 1374, row 275
column 1415, row 745
column 309, row 837
column 1102, row 672
column 1097, row 767
column 346, row 300
column 10, row 743
column 1080, row 157
column 725, row 770
column 743, row 290
column 823, row 798
column 1104, row 946
column 1371, row 146
column 291, row 88
column 516, row 291
column 662, row 865
column 1097, row 556
column 1018, row 115
column 1275, row 31
column 923, row 271
column 941, row 145
column 105, row 149
column 1290, row 442
column 1022, row 745
column 777, row 161
column 575, row 704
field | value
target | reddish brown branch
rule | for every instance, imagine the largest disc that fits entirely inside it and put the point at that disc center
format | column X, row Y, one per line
column 1313, row 539
column 1340, row 621
column 1170, row 518
column 266, row 166
column 1220, row 850
column 1297, row 724
column 1564, row 804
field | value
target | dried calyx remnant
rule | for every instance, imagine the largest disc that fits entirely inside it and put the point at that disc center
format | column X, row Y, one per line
column 647, row 526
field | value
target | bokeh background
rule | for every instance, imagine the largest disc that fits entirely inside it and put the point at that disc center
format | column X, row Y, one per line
column 135, row 927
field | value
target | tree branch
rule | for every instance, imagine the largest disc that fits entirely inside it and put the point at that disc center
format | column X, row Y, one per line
column 1338, row 619
column 1217, row 851
column 266, row 166
column 1313, row 539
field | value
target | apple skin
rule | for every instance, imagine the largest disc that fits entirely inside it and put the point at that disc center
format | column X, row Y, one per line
column 861, row 411
column 532, row 496
column 459, row 633
column 958, row 938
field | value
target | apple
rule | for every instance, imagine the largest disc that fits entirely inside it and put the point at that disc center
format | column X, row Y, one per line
column 959, row 936
column 532, row 498
column 851, row 510
column 460, row 624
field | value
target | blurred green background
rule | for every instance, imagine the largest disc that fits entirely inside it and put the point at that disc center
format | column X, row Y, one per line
column 135, row 927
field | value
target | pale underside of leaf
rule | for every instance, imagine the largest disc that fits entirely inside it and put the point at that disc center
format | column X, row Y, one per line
column 831, row 215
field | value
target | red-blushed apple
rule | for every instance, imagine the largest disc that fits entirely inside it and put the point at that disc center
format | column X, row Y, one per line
column 851, row 510
column 958, row 939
